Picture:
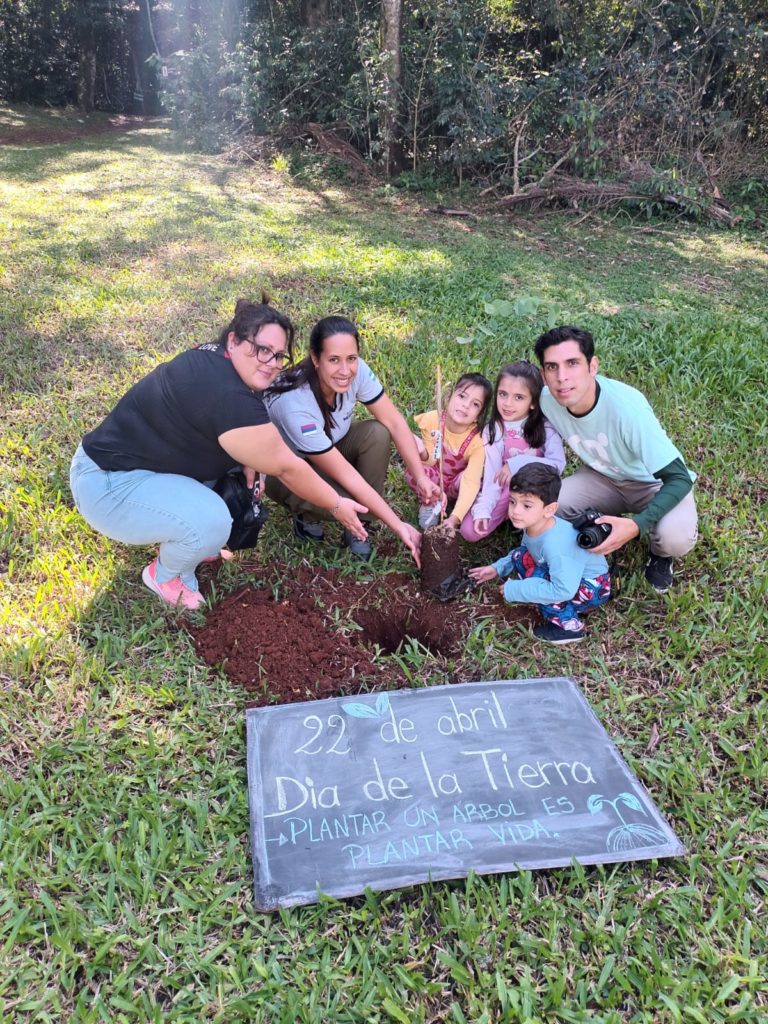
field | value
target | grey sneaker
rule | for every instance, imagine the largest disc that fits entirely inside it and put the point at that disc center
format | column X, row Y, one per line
column 359, row 548
column 307, row 531
column 658, row 572
column 429, row 516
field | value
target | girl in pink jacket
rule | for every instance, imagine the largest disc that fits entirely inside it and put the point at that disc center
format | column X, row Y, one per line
column 517, row 434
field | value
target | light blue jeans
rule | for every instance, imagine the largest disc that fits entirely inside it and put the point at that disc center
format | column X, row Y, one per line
column 187, row 519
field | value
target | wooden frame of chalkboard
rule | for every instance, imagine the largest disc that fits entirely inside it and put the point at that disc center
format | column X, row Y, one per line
column 388, row 789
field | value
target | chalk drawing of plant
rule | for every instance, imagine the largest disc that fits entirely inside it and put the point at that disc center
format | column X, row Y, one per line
column 357, row 710
column 628, row 835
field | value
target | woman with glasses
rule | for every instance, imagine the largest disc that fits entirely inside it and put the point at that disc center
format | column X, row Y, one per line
column 313, row 405
column 144, row 475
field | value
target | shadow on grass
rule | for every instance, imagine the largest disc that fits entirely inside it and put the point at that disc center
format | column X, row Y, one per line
column 434, row 268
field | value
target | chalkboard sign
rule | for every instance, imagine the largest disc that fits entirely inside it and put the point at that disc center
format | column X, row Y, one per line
column 383, row 790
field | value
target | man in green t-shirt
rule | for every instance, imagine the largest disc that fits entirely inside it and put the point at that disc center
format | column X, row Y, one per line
column 629, row 463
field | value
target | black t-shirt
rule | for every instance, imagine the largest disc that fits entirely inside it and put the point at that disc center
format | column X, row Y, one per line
column 170, row 421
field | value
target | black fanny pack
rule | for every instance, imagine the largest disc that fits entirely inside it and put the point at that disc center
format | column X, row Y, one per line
column 244, row 504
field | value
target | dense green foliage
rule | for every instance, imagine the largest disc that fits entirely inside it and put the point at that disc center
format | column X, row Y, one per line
column 125, row 878
column 86, row 52
column 503, row 90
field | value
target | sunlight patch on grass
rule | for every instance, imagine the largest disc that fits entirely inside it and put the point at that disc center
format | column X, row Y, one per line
column 125, row 878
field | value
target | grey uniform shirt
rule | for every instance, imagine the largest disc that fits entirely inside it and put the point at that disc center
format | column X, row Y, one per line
column 297, row 415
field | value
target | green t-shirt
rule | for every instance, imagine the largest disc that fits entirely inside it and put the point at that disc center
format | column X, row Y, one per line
column 620, row 438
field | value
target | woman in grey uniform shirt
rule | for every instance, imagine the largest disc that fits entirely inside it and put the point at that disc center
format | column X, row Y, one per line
column 313, row 405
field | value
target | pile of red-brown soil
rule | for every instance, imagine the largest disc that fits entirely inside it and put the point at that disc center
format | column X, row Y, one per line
column 281, row 650
column 305, row 634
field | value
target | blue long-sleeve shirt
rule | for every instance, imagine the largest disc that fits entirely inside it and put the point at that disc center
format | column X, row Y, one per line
column 565, row 562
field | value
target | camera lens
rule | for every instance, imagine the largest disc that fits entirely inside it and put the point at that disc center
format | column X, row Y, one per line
column 589, row 537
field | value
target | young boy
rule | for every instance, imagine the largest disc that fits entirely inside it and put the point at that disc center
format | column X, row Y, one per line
column 549, row 568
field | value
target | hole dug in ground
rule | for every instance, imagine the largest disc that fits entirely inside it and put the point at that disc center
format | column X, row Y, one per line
column 391, row 626
column 305, row 634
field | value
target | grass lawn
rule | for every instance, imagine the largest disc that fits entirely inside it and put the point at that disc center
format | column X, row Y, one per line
column 125, row 875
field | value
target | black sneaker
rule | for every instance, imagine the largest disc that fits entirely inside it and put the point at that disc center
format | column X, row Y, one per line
column 359, row 548
column 308, row 531
column 658, row 572
column 557, row 635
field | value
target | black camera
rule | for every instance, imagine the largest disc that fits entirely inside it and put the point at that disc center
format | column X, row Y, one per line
column 590, row 533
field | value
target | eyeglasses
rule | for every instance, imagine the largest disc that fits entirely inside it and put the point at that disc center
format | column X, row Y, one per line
column 266, row 355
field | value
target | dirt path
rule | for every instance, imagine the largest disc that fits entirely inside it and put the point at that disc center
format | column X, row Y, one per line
column 50, row 136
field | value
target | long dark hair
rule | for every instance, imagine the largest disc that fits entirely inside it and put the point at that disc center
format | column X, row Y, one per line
column 250, row 317
column 305, row 372
column 533, row 428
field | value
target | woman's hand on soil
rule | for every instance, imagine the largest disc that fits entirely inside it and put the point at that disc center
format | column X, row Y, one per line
column 504, row 475
column 481, row 526
column 411, row 537
column 482, row 573
column 347, row 513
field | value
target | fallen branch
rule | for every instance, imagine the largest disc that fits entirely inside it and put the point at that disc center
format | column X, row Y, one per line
column 570, row 191
column 330, row 142
column 450, row 213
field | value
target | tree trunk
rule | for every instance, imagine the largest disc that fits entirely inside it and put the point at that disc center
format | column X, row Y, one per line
column 86, row 76
column 314, row 13
column 85, row 26
column 191, row 21
column 391, row 134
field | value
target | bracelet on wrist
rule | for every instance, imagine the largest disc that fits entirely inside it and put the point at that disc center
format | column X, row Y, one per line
column 336, row 507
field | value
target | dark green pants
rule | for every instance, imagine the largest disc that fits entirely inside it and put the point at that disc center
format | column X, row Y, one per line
column 367, row 446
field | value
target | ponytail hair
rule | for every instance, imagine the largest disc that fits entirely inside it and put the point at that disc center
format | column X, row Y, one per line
column 305, row 372
column 533, row 428
column 250, row 317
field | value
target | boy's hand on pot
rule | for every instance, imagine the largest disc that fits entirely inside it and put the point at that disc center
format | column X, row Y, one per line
column 482, row 573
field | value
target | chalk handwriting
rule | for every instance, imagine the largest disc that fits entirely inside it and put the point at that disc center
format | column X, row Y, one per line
column 514, row 832
column 328, row 829
column 302, row 793
column 317, row 724
column 418, row 846
column 533, row 775
column 468, row 812
column 390, row 788
column 475, row 719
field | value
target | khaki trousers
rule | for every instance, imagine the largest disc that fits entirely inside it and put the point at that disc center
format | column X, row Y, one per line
column 367, row 446
column 672, row 537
